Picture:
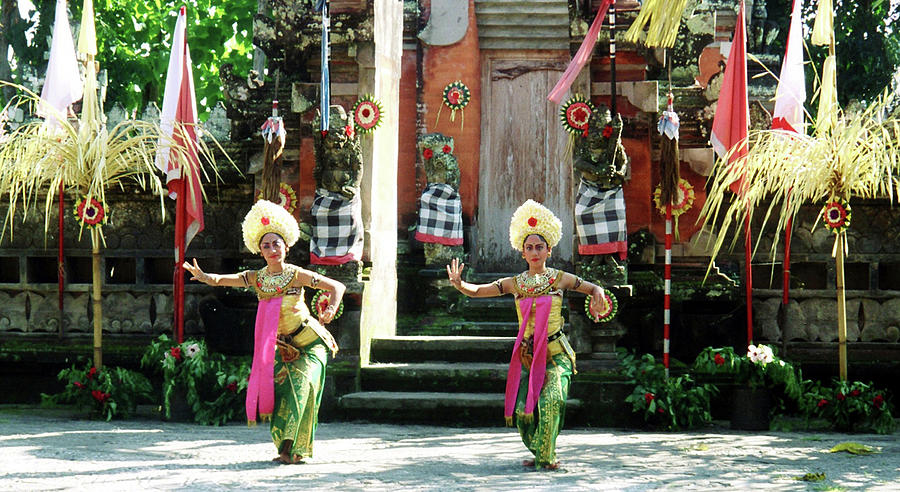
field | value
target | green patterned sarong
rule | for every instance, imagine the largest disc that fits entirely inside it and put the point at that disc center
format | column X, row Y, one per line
column 298, row 393
column 539, row 435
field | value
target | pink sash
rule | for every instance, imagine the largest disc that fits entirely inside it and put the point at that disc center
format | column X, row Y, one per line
column 261, row 387
column 538, row 362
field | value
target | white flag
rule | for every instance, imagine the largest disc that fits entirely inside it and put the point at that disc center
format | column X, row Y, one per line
column 62, row 86
column 791, row 92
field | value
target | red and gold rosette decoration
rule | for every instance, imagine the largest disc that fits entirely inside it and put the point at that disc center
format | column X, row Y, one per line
column 320, row 302
column 836, row 215
column 684, row 198
column 456, row 96
column 287, row 197
column 367, row 114
column 575, row 115
column 90, row 213
column 607, row 312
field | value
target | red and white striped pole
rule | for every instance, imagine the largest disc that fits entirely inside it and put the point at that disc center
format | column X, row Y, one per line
column 667, row 293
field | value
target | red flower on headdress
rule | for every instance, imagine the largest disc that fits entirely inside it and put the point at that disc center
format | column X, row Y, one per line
column 176, row 352
column 854, row 393
column 232, row 387
column 532, row 222
column 607, row 131
column 100, row 396
column 428, row 153
column 264, row 221
column 91, row 373
column 822, row 403
column 648, row 397
column 349, row 131
column 446, row 149
column 719, row 360
column 878, row 401
column 840, row 396
column 78, row 385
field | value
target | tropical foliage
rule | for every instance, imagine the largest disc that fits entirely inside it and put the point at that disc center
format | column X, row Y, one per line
column 849, row 406
column 105, row 393
column 758, row 368
column 671, row 403
column 214, row 388
column 858, row 156
column 133, row 41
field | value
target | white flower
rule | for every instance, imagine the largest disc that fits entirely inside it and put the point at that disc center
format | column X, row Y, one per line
column 754, row 354
column 192, row 350
column 767, row 355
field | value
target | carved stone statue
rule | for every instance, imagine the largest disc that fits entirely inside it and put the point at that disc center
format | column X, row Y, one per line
column 337, row 208
column 338, row 155
column 441, row 166
column 600, row 202
column 440, row 226
column 600, row 157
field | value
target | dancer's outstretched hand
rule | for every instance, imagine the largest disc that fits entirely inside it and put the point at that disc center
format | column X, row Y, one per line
column 195, row 270
column 454, row 272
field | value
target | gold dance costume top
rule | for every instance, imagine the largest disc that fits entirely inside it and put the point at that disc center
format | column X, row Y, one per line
column 541, row 285
column 297, row 328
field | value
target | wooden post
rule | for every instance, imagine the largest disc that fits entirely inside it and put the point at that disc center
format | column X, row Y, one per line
column 97, row 300
column 841, row 305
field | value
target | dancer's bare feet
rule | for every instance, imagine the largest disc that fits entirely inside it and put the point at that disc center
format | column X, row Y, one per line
column 287, row 459
column 527, row 462
column 551, row 466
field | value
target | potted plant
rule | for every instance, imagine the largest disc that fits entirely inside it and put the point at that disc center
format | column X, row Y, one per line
column 198, row 385
column 107, row 393
column 849, row 406
column 761, row 378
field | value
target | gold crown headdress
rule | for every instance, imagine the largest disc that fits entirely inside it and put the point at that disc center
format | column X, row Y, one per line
column 533, row 218
column 265, row 217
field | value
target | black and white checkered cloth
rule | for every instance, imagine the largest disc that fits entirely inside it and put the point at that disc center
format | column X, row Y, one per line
column 337, row 228
column 440, row 216
column 600, row 221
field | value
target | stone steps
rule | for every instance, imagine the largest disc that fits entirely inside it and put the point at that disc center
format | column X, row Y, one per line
column 467, row 328
column 441, row 349
column 445, row 377
column 446, row 368
column 431, row 406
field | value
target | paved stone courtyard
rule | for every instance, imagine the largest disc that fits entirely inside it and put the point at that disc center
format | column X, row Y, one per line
column 54, row 450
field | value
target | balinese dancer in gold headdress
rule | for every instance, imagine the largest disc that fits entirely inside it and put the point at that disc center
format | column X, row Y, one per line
column 542, row 361
column 291, row 346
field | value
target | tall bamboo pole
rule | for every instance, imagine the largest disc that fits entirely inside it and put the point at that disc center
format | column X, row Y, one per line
column 841, row 304
column 97, row 299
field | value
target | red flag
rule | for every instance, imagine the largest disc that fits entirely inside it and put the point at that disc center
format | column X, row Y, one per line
column 788, row 115
column 729, row 134
column 177, row 121
column 732, row 119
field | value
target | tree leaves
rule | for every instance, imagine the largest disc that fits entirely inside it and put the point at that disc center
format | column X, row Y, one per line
column 134, row 40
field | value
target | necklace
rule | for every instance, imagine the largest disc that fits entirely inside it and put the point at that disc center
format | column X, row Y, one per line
column 274, row 282
column 536, row 284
